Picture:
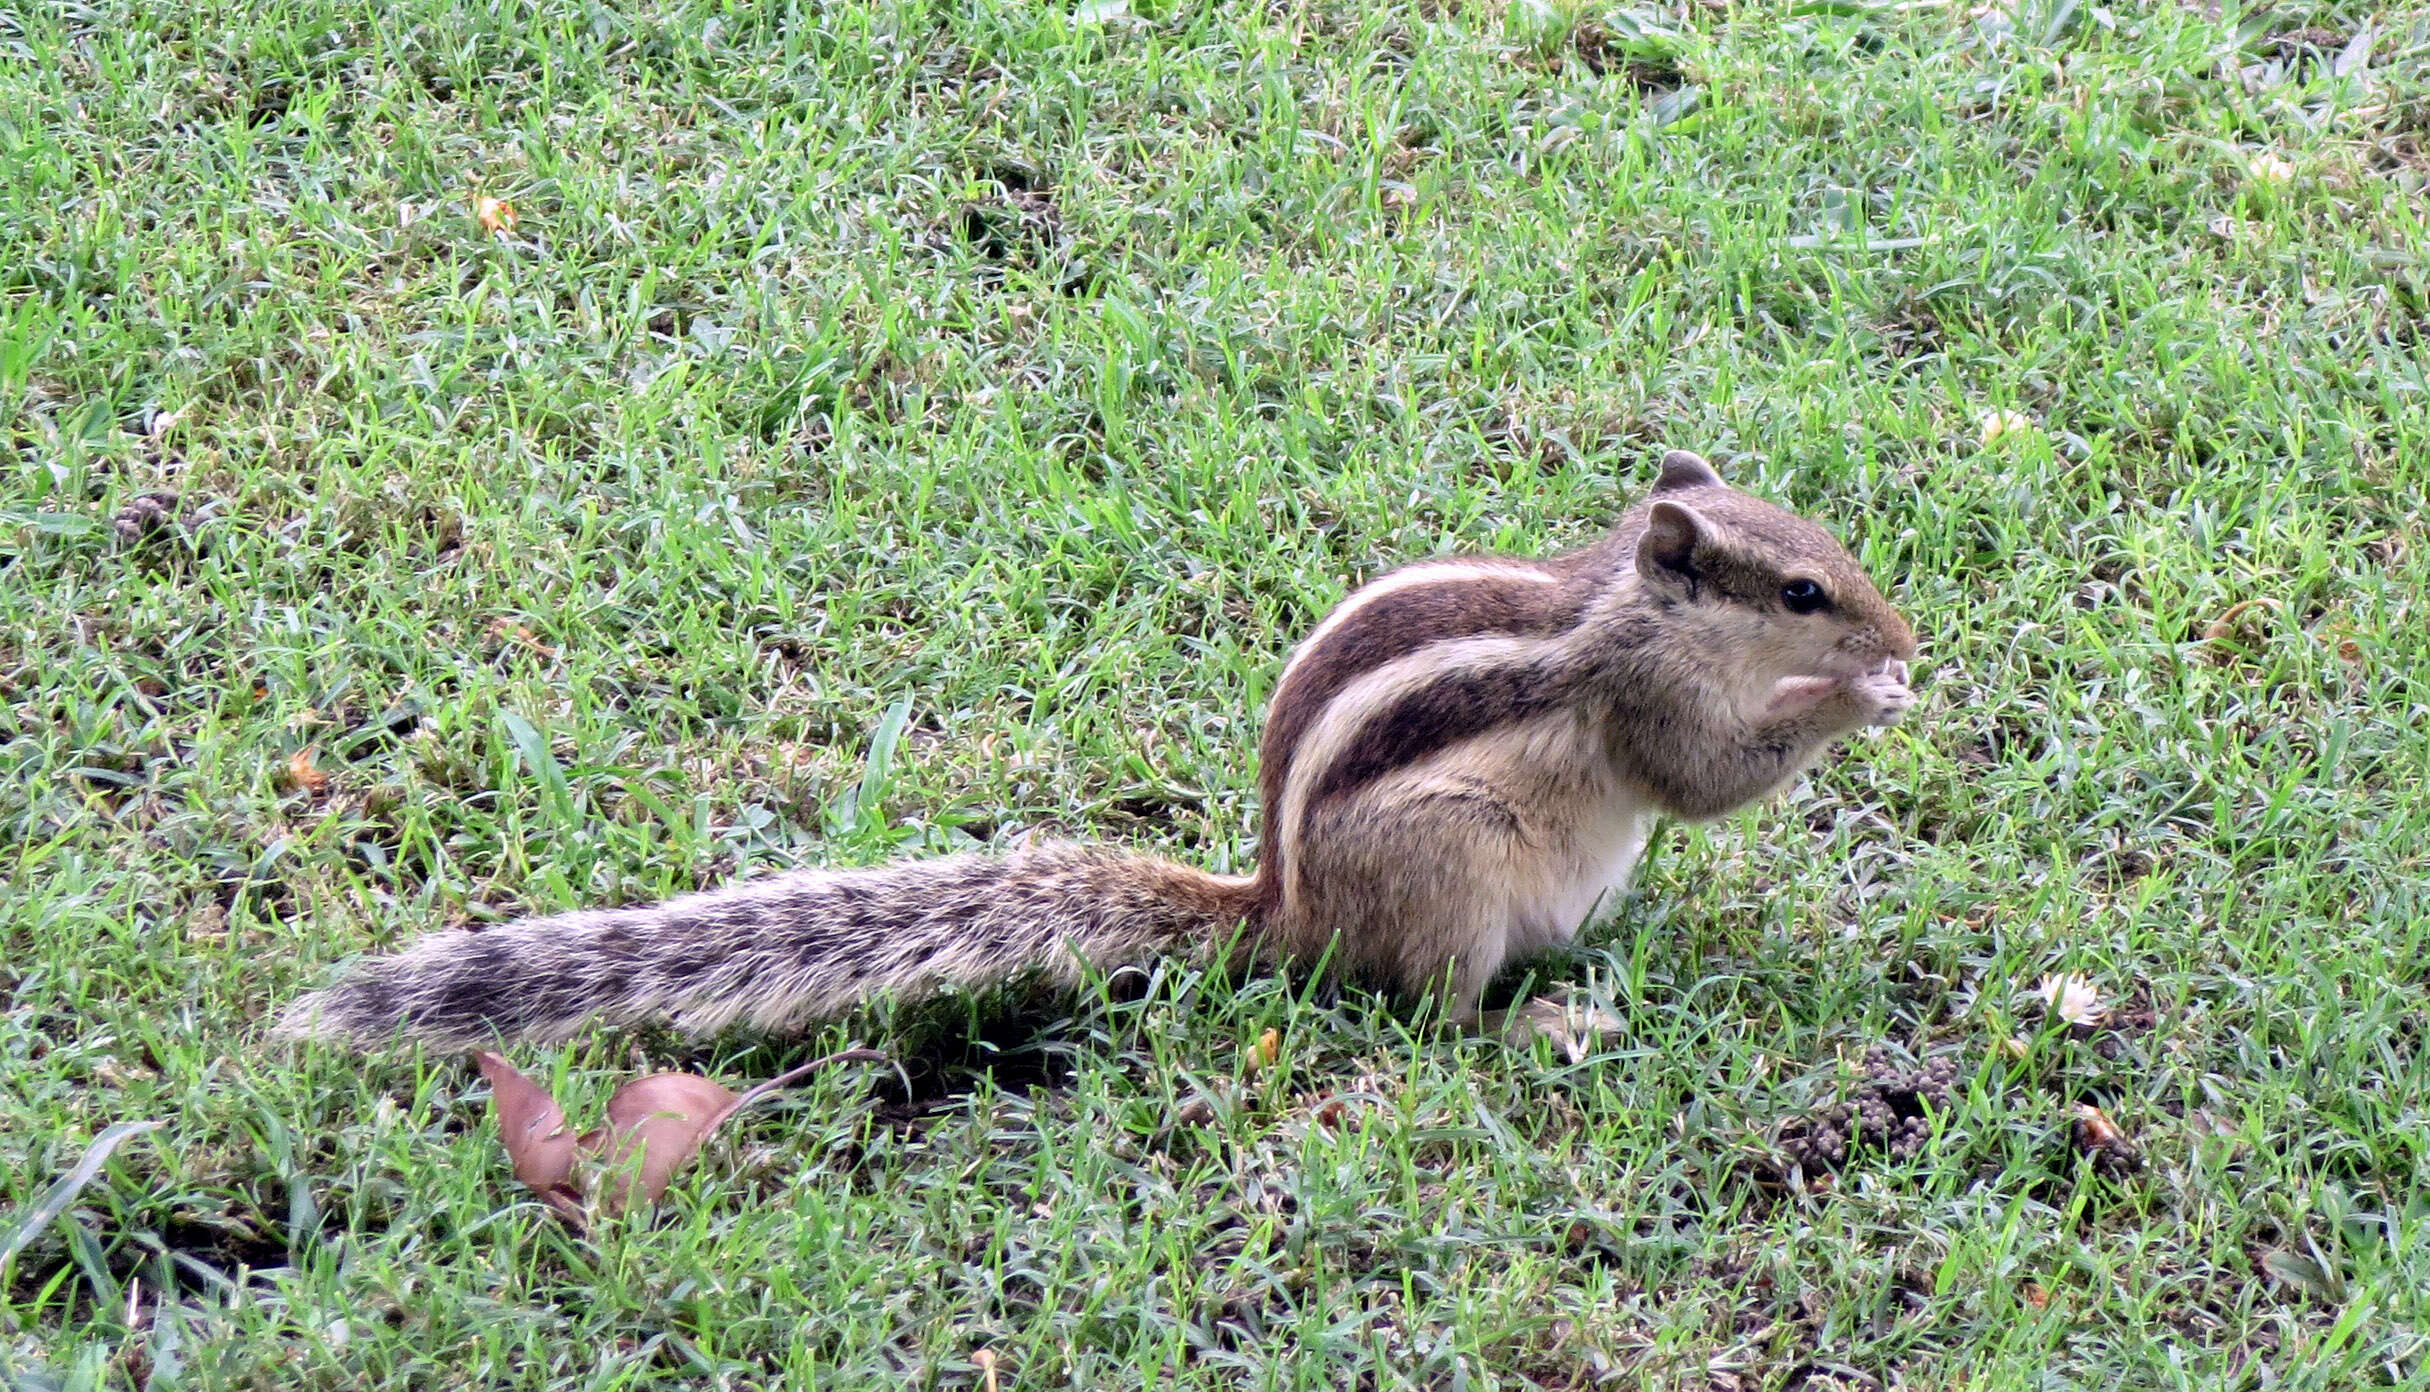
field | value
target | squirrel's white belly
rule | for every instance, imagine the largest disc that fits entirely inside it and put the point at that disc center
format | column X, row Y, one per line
column 1579, row 831
column 1586, row 875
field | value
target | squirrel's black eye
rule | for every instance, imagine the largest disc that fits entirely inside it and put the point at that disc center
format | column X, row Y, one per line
column 1804, row 597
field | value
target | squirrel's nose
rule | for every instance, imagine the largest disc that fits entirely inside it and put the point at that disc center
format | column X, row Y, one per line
column 1897, row 639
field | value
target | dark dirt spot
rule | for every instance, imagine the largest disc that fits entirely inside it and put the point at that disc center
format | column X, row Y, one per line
column 1016, row 177
column 673, row 321
column 145, row 516
column 1998, row 738
column 2306, row 53
column 1888, row 1113
column 1830, row 1377
column 939, row 1055
column 1605, row 53
column 815, row 433
column 188, row 1254
column 1153, row 810
column 1910, row 328
column 2119, row 867
column 380, row 731
column 225, row 1248
column 1009, row 1043
column 1016, row 229
column 270, row 104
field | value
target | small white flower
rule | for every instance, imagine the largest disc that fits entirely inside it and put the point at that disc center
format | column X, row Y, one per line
column 2071, row 998
column 2269, row 169
column 1998, row 423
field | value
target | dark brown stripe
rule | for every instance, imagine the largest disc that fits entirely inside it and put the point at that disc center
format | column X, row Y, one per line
column 1439, row 713
column 1390, row 628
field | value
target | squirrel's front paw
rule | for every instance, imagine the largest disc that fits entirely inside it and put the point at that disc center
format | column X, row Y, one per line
column 1882, row 697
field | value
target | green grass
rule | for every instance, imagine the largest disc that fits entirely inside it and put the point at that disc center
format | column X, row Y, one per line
column 1052, row 376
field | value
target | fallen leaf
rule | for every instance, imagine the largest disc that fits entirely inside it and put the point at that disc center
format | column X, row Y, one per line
column 496, row 215
column 207, row 923
column 2225, row 635
column 1573, row 1027
column 2105, row 1141
column 654, row 1125
column 657, row 1123
column 2097, row 1128
column 2037, row 1297
column 2269, row 169
column 2312, row 1277
column 504, row 631
column 109, row 1072
column 2072, row 998
column 533, row 1128
column 1267, row 1049
column 302, row 774
column 1996, row 425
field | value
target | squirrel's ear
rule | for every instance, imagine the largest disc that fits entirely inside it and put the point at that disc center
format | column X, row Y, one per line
column 1681, row 469
column 1667, row 551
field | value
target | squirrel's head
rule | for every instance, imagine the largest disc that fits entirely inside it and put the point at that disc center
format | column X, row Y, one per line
column 1776, row 591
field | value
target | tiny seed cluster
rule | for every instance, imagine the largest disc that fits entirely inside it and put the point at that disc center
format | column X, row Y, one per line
column 1887, row 1114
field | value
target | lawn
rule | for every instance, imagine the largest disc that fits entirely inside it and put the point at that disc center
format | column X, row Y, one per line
column 857, row 431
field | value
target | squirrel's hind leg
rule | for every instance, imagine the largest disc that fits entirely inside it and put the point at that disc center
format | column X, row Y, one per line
column 1417, row 885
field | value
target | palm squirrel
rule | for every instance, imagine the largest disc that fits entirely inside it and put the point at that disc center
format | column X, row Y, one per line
column 1461, row 761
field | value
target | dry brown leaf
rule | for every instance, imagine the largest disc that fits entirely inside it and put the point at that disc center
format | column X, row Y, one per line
column 533, row 1128
column 655, row 1124
column 2098, row 1131
column 1996, row 425
column 2229, row 633
column 1263, row 1053
column 668, row 1117
column 1574, row 1027
column 2307, row 1274
column 2037, row 1297
column 504, row 631
column 302, row 774
column 2105, row 1142
column 496, row 215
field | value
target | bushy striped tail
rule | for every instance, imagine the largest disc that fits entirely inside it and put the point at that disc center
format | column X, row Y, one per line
column 779, row 952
